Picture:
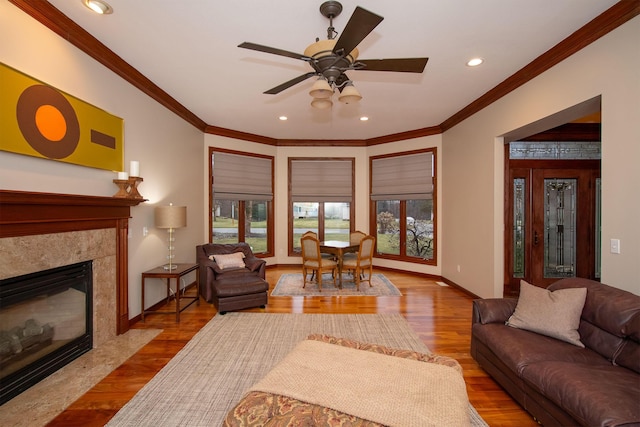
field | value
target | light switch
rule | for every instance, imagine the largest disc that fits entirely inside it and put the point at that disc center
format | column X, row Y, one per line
column 145, row 231
column 615, row 246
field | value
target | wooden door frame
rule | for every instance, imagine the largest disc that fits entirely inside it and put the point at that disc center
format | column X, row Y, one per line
column 512, row 286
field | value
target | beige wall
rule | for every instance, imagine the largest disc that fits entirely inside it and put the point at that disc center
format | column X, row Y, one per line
column 473, row 207
column 169, row 150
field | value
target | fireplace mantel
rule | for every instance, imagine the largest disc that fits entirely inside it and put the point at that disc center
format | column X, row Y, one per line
column 24, row 213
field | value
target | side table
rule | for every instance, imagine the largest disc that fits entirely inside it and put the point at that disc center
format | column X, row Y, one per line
column 161, row 273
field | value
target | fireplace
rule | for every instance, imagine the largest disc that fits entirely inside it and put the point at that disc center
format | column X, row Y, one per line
column 45, row 323
column 43, row 231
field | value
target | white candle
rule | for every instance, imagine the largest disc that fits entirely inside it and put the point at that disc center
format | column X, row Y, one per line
column 134, row 168
column 123, row 175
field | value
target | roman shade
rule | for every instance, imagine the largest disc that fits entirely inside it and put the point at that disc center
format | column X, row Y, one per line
column 404, row 177
column 321, row 180
column 238, row 177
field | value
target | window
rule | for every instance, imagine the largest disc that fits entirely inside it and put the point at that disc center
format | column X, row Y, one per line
column 242, row 200
column 320, row 199
column 402, row 197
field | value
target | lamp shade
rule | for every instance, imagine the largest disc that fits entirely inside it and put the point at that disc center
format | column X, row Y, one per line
column 321, row 103
column 321, row 89
column 349, row 94
column 171, row 216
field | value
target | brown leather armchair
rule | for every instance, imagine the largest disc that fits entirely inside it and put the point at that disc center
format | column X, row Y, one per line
column 231, row 288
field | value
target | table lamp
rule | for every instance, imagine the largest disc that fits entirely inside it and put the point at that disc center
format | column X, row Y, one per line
column 171, row 217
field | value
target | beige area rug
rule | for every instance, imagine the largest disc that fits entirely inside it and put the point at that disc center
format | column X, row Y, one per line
column 291, row 285
column 233, row 352
column 40, row 404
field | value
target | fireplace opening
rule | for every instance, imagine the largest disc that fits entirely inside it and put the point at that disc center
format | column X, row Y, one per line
column 45, row 323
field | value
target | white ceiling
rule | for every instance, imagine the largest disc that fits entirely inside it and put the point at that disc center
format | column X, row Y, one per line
column 189, row 49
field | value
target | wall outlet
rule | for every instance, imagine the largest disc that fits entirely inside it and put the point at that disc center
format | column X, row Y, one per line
column 615, row 246
column 458, row 268
column 145, row 231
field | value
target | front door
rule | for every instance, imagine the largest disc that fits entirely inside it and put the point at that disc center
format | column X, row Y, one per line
column 551, row 224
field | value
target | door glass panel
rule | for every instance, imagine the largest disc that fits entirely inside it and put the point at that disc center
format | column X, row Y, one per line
column 555, row 150
column 518, row 227
column 560, row 227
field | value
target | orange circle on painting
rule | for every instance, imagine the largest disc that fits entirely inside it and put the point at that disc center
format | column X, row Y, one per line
column 38, row 124
column 51, row 123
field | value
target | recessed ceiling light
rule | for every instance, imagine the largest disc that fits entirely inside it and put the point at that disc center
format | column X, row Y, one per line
column 364, row 118
column 474, row 62
column 98, row 6
column 283, row 118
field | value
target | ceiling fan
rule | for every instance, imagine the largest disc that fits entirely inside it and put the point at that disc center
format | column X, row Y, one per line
column 331, row 58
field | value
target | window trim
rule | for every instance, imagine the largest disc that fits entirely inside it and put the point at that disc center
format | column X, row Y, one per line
column 241, row 203
column 373, row 223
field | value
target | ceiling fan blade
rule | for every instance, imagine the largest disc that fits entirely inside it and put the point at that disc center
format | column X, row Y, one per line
column 403, row 65
column 361, row 23
column 287, row 85
column 273, row 50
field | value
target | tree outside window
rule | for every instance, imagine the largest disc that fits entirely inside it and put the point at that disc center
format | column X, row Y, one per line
column 403, row 200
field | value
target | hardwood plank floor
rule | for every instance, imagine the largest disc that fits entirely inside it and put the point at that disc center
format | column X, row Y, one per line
column 441, row 316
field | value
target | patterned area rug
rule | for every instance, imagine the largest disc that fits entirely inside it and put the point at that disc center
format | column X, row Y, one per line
column 291, row 285
column 233, row 352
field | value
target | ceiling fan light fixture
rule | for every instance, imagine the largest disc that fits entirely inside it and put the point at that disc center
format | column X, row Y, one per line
column 321, row 89
column 321, row 103
column 98, row 6
column 349, row 94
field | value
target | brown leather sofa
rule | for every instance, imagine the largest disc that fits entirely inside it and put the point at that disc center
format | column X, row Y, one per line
column 560, row 383
column 232, row 288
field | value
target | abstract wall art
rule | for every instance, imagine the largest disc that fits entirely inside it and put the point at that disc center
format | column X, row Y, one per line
column 41, row 121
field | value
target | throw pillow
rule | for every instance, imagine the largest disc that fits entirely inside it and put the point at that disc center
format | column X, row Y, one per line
column 234, row 260
column 555, row 314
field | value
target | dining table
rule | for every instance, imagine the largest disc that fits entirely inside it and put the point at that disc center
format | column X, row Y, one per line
column 338, row 248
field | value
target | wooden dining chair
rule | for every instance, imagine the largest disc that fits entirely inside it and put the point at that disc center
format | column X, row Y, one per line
column 356, row 237
column 323, row 255
column 312, row 260
column 362, row 263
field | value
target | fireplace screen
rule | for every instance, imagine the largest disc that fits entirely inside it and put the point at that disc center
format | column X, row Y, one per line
column 45, row 323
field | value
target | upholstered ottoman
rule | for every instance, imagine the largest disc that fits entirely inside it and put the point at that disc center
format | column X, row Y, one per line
column 239, row 292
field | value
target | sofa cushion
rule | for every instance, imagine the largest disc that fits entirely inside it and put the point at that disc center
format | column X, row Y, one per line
column 234, row 260
column 518, row 348
column 595, row 395
column 555, row 314
column 610, row 318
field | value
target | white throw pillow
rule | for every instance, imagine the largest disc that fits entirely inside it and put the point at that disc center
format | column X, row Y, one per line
column 555, row 314
column 233, row 260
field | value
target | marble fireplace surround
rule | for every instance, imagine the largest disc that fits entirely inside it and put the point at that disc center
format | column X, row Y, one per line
column 39, row 231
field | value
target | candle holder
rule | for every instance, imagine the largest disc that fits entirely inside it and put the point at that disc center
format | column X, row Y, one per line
column 134, row 181
column 128, row 188
column 123, row 188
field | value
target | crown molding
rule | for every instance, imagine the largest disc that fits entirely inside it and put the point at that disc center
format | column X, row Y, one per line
column 56, row 21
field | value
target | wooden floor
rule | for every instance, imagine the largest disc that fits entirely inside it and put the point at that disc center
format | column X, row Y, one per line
column 441, row 316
